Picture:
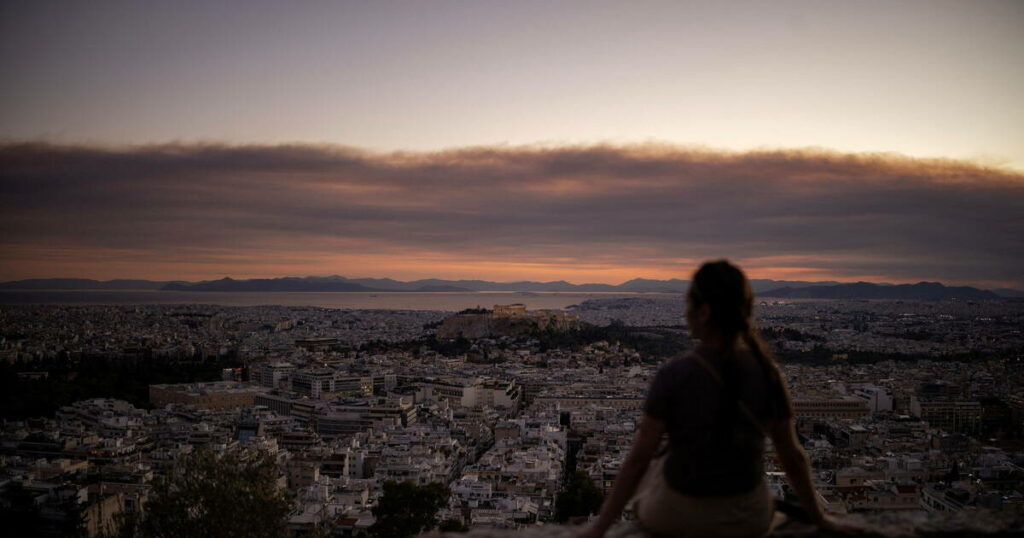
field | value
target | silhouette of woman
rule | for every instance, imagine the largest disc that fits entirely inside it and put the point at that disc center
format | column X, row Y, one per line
column 717, row 405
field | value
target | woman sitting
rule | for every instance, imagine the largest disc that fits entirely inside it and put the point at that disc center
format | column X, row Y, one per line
column 717, row 405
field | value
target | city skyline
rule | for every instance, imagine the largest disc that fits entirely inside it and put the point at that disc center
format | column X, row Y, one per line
column 423, row 267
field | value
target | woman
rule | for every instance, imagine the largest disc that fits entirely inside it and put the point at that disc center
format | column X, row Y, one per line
column 717, row 405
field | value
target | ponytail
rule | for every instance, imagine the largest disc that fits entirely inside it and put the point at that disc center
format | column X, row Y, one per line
column 725, row 290
column 775, row 383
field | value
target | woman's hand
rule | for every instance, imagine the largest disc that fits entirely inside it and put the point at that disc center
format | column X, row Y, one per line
column 648, row 437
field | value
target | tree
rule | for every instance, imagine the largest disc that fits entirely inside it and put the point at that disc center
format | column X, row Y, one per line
column 21, row 516
column 579, row 498
column 226, row 495
column 19, row 513
column 406, row 509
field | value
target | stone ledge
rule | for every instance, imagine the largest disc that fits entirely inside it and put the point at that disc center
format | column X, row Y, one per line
column 881, row 525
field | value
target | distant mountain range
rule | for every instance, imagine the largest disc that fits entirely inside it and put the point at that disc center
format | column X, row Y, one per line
column 296, row 284
column 339, row 283
column 81, row 284
column 922, row 291
column 764, row 288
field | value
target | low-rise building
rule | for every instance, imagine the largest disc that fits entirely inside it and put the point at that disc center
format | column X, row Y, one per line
column 214, row 395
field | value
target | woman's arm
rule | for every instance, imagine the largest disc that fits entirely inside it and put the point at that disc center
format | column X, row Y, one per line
column 797, row 467
column 648, row 437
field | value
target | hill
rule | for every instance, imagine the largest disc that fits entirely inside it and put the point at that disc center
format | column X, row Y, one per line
column 340, row 283
column 81, row 284
column 762, row 287
column 292, row 284
column 922, row 291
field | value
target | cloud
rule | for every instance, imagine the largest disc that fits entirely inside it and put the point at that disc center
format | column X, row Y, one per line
column 639, row 210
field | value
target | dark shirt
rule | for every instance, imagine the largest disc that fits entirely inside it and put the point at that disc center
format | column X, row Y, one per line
column 716, row 449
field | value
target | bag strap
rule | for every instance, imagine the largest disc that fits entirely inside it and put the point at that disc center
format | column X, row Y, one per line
column 718, row 379
column 791, row 510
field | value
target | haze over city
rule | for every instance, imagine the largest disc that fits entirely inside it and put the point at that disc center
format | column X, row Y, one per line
column 590, row 142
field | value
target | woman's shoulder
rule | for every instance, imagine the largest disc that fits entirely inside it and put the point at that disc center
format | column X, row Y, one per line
column 679, row 365
column 672, row 379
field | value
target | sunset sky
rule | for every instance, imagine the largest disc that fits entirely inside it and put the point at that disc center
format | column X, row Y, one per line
column 584, row 141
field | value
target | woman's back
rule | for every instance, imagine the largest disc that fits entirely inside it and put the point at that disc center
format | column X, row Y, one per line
column 715, row 446
column 716, row 405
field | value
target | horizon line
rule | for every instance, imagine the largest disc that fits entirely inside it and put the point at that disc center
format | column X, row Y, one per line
column 828, row 281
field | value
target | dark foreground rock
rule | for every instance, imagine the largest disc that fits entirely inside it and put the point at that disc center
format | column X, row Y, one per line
column 884, row 525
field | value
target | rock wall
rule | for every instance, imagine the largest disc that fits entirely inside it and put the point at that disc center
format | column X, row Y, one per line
column 967, row 524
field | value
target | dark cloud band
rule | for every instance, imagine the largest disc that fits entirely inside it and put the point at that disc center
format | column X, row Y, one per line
column 843, row 214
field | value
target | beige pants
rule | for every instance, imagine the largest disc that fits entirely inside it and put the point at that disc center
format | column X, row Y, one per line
column 665, row 512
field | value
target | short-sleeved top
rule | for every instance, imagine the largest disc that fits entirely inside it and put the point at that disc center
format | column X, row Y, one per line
column 715, row 449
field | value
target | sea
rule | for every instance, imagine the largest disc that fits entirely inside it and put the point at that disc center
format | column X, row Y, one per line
column 444, row 301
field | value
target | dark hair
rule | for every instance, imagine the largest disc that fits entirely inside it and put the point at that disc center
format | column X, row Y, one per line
column 730, row 300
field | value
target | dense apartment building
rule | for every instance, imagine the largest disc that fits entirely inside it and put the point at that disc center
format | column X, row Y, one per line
column 213, row 395
column 469, row 392
column 953, row 416
column 850, row 407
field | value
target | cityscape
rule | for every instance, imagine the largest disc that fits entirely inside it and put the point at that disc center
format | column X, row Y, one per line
column 905, row 406
column 511, row 269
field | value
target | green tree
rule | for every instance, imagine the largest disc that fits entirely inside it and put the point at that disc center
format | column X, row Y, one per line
column 224, row 495
column 19, row 513
column 20, row 516
column 579, row 498
column 406, row 509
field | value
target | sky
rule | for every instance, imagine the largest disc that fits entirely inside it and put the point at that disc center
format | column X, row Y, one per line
column 584, row 141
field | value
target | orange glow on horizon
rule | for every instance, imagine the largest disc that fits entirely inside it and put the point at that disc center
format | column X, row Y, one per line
column 582, row 214
column 117, row 264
